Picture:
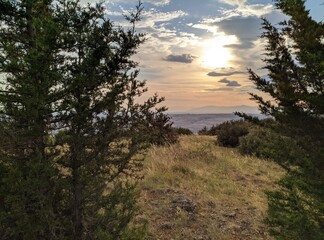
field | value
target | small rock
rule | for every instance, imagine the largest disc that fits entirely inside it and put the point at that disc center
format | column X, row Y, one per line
column 211, row 204
column 166, row 226
column 185, row 204
column 230, row 215
column 192, row 216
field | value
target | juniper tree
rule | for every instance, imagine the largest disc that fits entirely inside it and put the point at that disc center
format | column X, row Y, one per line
column 28, row 60
column 69, row 74
column 295, row 63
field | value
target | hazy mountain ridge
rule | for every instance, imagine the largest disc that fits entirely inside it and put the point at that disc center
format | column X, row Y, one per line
column 224, row 109
column 221, row 109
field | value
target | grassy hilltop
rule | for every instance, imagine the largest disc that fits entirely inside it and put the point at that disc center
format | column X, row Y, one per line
column 197, row 190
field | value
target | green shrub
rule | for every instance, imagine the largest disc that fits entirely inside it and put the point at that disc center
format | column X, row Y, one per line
column 159, row 130
column 183, row 131
column 262, row 142
column 296, row 209
column 212, row 131
column 203, row 131
column 229, row 132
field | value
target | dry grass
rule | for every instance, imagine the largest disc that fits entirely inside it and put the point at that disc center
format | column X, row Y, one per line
column 197, row 190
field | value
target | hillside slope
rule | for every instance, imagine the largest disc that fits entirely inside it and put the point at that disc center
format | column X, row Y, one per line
column 197, row 190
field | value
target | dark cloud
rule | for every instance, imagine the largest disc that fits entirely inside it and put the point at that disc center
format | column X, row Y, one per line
column 233, row 84
column 216, row 74
column 219, row 89
column 243, row 45
column 183, row 58
column 224, row 80
column 229, row 83
column 247, row 29
column 241, row 26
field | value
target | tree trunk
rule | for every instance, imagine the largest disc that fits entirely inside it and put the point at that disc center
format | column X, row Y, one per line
column 77, row 194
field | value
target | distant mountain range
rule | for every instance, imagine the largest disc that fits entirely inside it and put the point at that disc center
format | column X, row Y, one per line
column 221, row 109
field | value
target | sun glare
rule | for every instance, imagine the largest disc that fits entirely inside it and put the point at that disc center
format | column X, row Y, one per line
column 216, row 57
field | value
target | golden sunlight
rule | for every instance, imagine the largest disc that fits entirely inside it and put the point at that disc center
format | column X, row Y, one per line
column 215, row 55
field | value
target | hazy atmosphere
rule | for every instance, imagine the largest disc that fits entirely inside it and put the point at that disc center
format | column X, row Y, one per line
column 197, row 52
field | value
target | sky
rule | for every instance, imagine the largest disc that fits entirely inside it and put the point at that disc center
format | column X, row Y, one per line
column 197, row 51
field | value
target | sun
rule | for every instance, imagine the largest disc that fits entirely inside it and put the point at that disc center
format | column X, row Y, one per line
column 216, row 57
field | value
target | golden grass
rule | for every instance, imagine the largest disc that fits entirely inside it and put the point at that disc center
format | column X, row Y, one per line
column 227, row 188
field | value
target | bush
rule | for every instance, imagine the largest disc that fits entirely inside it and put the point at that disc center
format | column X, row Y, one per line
column 229, row 132
column 183, row 131
column 203, row 131
column 262, row 142
column 159, row 130
column 212, row 131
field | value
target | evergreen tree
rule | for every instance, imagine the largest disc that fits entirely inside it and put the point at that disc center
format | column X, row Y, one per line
column 104, row 123
column 28, row 62
column 75, row 134
column 295, row 64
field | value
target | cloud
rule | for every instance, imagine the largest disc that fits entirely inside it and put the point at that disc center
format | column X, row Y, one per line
column 183, row 58
column 162, row 38
column 233, row 2
column 245, row 9
column 158, row 2
column 233, row 84
column 151, row 17
column 224, row 80
column 229, row 83
column 242, row 45
column 244, row 29
column 154, row 2
column 207, row 27
column 219, row 89
column 216, row 74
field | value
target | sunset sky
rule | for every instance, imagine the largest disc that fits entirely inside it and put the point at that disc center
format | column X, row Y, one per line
column 197, row 51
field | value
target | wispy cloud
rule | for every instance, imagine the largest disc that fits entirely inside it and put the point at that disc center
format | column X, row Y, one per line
column 158, row 2
column 257, row 10
column 233, row 2
column 153, row 2
column 206, row 26
column 242, row 8
column 221, row 89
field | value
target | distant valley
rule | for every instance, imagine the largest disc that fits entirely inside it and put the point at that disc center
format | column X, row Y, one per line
column 195, row 122
column 197, row 118
column 220, row 109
